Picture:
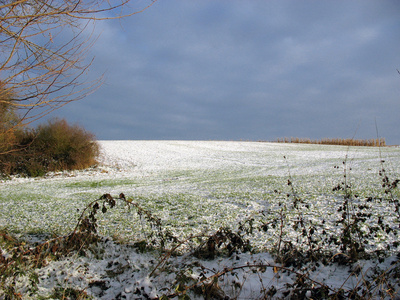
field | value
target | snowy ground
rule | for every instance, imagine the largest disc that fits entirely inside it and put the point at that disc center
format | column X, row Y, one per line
column 193, row 187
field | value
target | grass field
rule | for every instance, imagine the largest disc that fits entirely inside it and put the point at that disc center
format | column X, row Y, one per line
column 207, row 184
column 199, row 186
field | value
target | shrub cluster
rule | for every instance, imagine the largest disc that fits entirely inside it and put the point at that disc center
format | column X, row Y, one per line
column 50, row 147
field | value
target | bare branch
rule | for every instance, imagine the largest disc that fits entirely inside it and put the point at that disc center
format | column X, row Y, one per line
column 44, row 46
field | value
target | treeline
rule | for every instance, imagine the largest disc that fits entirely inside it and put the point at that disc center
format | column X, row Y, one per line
column 379, row 142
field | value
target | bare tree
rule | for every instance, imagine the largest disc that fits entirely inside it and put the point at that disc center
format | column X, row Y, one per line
column 43, row 49
column 8, row 121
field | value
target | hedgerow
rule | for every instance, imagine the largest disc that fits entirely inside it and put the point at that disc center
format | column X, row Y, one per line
column 55, row 146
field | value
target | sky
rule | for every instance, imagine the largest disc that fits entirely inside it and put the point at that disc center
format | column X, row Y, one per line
column 246, row 70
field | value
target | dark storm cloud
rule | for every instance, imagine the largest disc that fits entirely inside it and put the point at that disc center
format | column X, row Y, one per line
column 247, row 70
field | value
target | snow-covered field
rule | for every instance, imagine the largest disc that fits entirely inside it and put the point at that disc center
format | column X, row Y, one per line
column 193, row 187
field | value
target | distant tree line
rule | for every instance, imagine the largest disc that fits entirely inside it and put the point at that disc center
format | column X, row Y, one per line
column 378, row 142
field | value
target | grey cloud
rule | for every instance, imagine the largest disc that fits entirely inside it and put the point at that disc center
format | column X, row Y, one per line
column 247, row 70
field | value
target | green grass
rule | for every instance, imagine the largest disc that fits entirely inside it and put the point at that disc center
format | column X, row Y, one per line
column 105, row 183
column 198, row 199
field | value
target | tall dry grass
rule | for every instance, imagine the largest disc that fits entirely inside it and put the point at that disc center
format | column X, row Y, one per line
column 379, row 142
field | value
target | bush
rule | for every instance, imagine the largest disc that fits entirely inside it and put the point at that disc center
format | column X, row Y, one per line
column 54, row 146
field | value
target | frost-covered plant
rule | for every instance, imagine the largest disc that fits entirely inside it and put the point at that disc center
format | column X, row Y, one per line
column 301, row 246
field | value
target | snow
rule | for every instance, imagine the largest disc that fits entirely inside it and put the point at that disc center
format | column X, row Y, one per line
column 193, row 187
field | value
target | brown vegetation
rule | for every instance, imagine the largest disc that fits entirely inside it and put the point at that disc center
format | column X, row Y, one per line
column 51, row 147
column 54, row 146
column 379, row 142
column 44, row 46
